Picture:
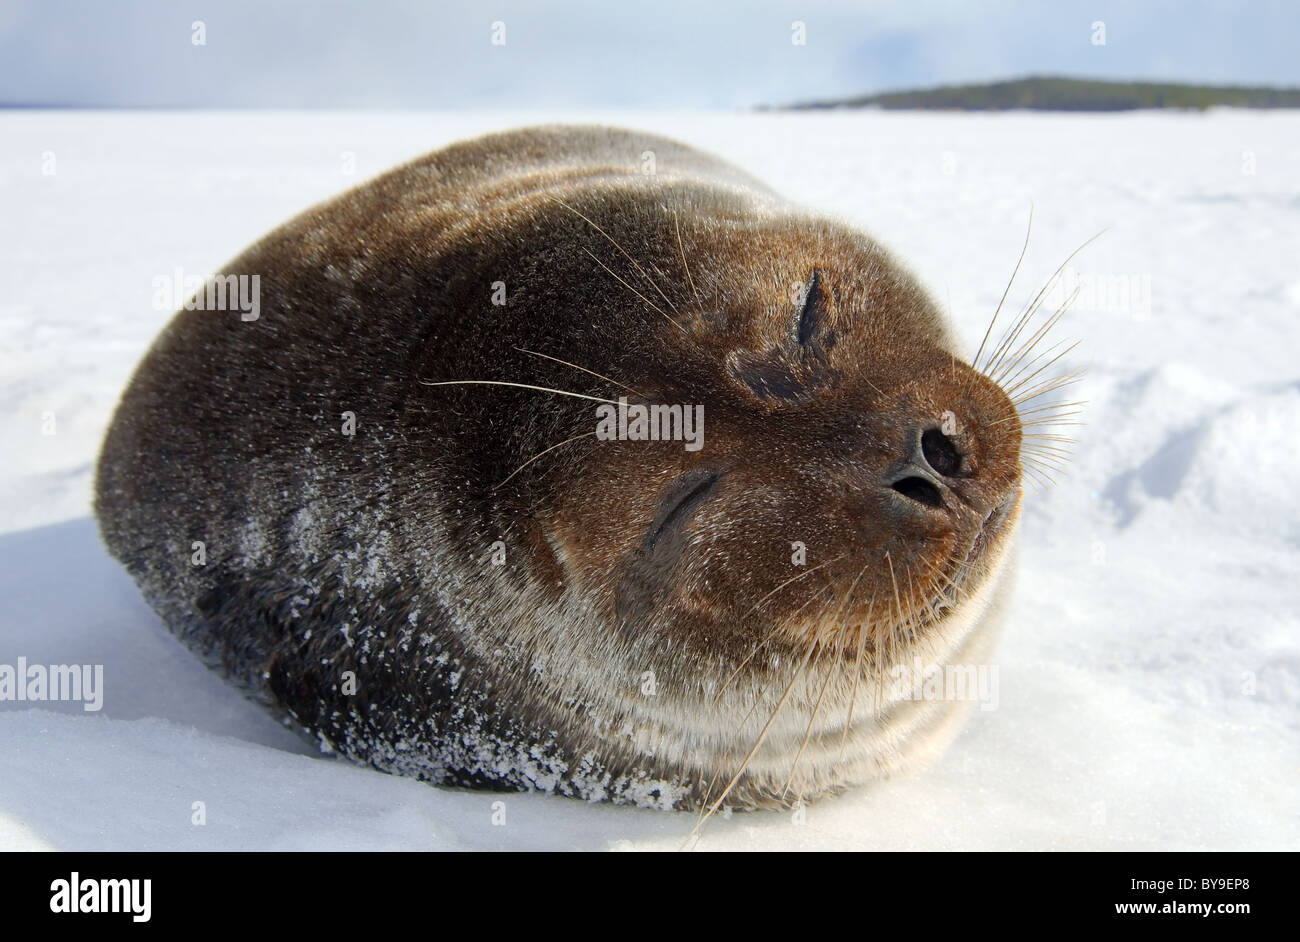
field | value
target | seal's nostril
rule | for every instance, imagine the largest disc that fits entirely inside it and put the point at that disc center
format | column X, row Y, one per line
column 940, row 453
column 919, row 489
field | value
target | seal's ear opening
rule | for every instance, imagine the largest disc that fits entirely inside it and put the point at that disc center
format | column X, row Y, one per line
column 812, row 331
column 794, row 370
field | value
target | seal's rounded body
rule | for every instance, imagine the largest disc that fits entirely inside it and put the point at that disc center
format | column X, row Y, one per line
column 410, row 505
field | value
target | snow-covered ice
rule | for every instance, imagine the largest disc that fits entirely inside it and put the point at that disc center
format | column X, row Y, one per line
column 1149, row 675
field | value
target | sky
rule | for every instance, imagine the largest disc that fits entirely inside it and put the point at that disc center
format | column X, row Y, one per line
column 401, row 54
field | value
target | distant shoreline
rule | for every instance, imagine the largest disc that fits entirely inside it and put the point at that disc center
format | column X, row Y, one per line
column 1056, row 93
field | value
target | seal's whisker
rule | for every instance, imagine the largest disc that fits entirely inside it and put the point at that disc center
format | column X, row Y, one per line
column 1058, row 457
column 1060, row 420
column 949, row 580
column 541, row 454
column 762, row 736
column 1048, row 455
column 1013, row 331
column 1046, row 462
column 857, row 673
column 826, row 630
column 1008, row 338
column 1047, row 386
column 803, row 575
column 1021, row 360
column 988, row 330
column 614, row 242
column 1041, row 437
column 1056, row 465
column 740, row 727
column 1039, row 430
column 1038, row 298
column 812, row 718
column 685, row 265
column 543, row 496
column 1014, row 376
column 762, row 691
column 945, row 581
column 1034, row 366
column 721, row 756
column 1044, row 485
column 1003, row 357
column 780, row 626
column 1038, row 477
column 1049, row 407
column 1045, row 449
column 1055, row 457
column 621, row 281
column 547, row 356
column 914, row 617
column 1013, row 360
column 807, row 733
column 493, row 382
column 898, row 602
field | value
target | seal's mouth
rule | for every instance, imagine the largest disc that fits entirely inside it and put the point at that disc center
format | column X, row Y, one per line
column 938, row 603
column 993, row 528
column 990, row 529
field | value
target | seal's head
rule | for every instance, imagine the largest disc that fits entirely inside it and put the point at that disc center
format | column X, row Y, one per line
column 842, row 444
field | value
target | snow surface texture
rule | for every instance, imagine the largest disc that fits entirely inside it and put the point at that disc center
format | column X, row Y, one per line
column 1150, row 671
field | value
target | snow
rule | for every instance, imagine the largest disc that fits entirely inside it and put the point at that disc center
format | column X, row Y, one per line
column 1149, row 673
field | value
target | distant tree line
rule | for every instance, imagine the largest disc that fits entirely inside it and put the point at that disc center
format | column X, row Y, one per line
column 1042, row 93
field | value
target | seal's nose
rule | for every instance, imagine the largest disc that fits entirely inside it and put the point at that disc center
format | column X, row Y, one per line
column 939, row 452
column 920, row 476
column 918, row 488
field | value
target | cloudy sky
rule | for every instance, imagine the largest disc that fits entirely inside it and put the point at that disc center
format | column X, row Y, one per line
column 601, row 53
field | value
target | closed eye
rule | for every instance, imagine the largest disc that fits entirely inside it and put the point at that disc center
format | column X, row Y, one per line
column 646, row 578
column 681, row 501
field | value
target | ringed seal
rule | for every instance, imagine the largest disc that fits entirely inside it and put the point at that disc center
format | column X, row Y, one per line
column 383, row 506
